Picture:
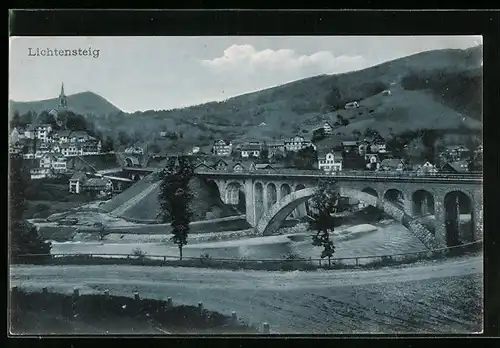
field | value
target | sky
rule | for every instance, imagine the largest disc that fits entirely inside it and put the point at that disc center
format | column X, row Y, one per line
column 155, row 73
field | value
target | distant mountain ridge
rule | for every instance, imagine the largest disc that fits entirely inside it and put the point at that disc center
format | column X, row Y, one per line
column 83, row 103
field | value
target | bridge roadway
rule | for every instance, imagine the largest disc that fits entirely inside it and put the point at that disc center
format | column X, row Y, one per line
column 471, row 178
column 343, row 175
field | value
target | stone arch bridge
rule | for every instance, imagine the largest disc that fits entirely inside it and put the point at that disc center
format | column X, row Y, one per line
column 450, row 199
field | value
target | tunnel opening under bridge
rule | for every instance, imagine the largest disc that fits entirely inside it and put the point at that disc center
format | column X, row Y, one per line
column 458, row 218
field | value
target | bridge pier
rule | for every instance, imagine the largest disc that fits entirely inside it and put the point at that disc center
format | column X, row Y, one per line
column 250, row 202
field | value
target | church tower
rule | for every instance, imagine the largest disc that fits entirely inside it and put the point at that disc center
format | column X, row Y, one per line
column 63, row 103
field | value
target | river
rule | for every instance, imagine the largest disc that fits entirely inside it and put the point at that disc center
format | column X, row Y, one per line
column 382, row 238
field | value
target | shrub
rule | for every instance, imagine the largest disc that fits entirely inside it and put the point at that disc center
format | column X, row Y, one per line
column 139, row 254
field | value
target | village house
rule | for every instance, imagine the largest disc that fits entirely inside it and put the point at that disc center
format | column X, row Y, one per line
column 478, row 152
column 71, row 149
column 16, row 148
column 250, row 150
column 91, row 147
column 222, row 148
column 454, row 153
column 29, row 131
column 455, row 167
column 352, row 105
column 297, row 143
column 276, row 148
column 14, row 136
column 425, row 169
column 327, row 128
column 372, row 161
column 220, row 165
column 41, row 173
column 57, row 163
column 392, row 164
column 41, row 131
column 76, row 182
column 134, row 150
column 329, row 160
column 97, row 186
column 195, row 150
column 350, row 146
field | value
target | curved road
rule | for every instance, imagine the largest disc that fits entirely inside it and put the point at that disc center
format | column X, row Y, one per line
column 440, row 296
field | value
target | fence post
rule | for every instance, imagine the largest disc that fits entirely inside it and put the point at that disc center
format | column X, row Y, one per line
column 76, row 294
column 265, row 328
column 200, row 308
column 357, row 261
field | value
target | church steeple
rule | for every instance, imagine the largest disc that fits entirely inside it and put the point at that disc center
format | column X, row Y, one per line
column 63, row 103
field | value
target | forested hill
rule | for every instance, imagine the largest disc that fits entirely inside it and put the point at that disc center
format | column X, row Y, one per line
column 438, row 89
column 81, row 103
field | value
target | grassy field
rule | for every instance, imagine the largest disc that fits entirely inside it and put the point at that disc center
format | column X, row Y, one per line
column 51, row 313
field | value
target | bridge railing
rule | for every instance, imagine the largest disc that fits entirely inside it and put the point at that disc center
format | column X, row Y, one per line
column 346, row 173
column 166, row 260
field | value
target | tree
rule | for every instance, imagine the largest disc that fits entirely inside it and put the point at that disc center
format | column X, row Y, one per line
column 15, row 121
column 305, row 158
column 24, row 237
column 318, row 135
column 124, row 138
column 325, row 202
column 108, row 145
column 174, row 198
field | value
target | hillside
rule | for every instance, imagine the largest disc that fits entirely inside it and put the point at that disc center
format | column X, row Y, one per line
column 438, row 89
column 81, row 103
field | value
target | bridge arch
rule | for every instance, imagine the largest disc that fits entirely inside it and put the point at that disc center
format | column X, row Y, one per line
column 370, row 191
column 458, row 218
column 232, row 194
column 422, row 203
column 300, row 187
column 272, row 194
column 285, row 190
column 273, row 218
column 395, row 196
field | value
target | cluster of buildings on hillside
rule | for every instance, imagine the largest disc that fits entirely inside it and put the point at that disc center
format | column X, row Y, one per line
column 253, row 149
column 336, row 153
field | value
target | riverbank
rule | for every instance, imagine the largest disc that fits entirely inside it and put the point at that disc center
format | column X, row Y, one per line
column 37, row 313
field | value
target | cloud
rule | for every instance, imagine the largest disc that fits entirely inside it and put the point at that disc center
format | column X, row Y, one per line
column 246, row 60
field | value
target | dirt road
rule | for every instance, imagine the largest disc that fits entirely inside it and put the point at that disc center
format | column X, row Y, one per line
column 433, row 297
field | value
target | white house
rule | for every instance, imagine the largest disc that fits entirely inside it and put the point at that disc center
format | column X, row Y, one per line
column 71, row 149
column 76, row 182
column 297, row 143
column 329, row 161
column 352, row 105
column 426, row 168
column 251, row 149
column 194, row 150
column 136, row 150
column 327, row 127
column 14, row 136
column 55, row 162
column 40, row 173
column 42, row 131
column 372, row 161
column 222, row 148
